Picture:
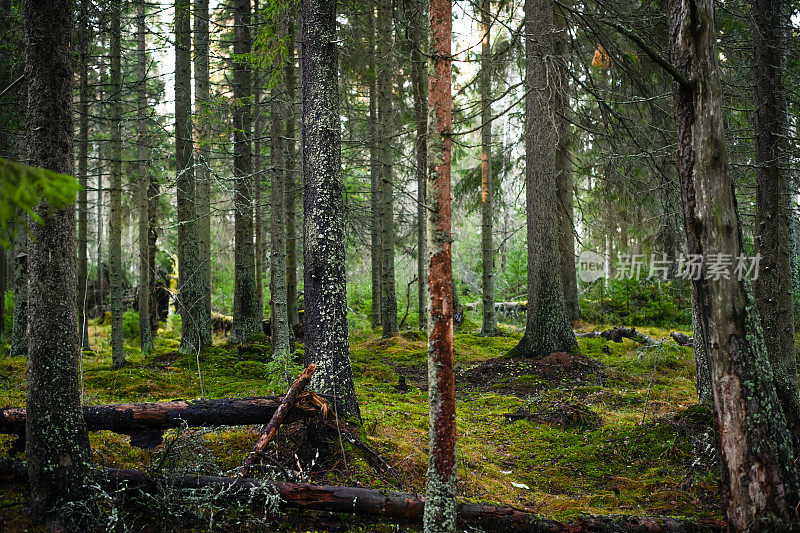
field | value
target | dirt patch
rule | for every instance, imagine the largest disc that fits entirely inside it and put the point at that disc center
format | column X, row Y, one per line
column 565, row 415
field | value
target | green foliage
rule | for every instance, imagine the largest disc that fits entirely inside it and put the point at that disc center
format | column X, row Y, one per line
column 638, row 302
column 22, row 186
column 130, row 327
column 8, row 318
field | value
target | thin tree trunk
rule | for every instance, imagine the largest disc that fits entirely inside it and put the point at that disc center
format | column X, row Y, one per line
column 325, row 322
column 247, row 311
column 547, row 328
column 115, row 222
column 440, row 483
column 258, row 180
column 196, row 332
column 202, row 97
column 83, row 165
column 57, row 444
column 102, row 150
column 773, row 288
column 291, row 179
column 374, row 172
column 19, row 326
column 489, row 326
column 758, row 476
column 145, row 274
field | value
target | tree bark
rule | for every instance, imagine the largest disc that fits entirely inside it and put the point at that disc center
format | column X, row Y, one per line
column 386, row 158
column 547, row 328
column 773, row 288
column 440, row 483
column 196, row 332
column 115, row 222
column 325, row 321
column 758, row 476
column 374, row 173
column 258, row 177
column 489, row 325
column 247, row 309
column 84, row 32
column 291, row 179
column 19, row 325
column 57, row 445
column 145, row 274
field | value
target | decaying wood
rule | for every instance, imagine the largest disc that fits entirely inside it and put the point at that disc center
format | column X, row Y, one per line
column 385, row 504
column 145, row 421
column 682, row 339
column 278, row 417
column 617, row 334
column 502, row 307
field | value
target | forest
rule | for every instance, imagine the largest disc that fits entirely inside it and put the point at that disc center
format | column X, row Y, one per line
column 399, row 265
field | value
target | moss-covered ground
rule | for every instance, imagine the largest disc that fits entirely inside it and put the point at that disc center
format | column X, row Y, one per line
column 647, row 455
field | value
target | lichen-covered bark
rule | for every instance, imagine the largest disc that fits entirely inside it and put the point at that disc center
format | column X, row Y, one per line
column 419, row 86
column 773, row 288
column 19, row 326
column 115, row 220
column 196, row 331
column 202, row 97
column 702, row 377
column 489, row 325
column 547, row 328
column 258, row 176
column 145, row 274
column 84, row 36
column 247, row 312
column 325, row 322
column 57, row 445
column 374, row 173
column 440, row 482
column 386, row 159
column 758, row 475
column 291, row 180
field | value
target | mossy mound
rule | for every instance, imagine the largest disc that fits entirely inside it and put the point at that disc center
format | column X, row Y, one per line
column 565, row 415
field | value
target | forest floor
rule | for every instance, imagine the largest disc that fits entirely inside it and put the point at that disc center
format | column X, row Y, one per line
column 615, row 430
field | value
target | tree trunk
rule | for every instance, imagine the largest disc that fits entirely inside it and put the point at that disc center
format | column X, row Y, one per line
column 325, row 321
column 202, row 98
column 758, row 477
column 247, row 311
column 115, row 222
column 547, row 328
column 386, row 157
column 102, row 150
column 258, row 177
column 57, row 445
column 145, row 274
column 291, row 180
column 563, row 168
column 489, row 326
column 374, row 173
column 83, row 165
column 196, row 332
column 773, row 288
column 440, row 483
column 700, row 350
column 19, row 326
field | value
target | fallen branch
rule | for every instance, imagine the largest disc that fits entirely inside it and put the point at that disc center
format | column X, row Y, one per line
column 277, row 419
column 617, row 334
column 385, row 504
column 681, row 339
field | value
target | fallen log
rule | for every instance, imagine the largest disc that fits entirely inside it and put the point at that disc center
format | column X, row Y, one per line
column 384, row 504
column 617, row 334
column 277, row 419
column 501, row 307
column 145, row 421
column 682, row 339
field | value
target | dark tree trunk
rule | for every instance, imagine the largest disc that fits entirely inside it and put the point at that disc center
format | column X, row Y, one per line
column 489, row 325
column 547, row 328
column 247, row 311
column 758, row 475
column 291, row 180
column 57, row 445
column 258, row 176
column 440, row 483
column 773, row 288
column 115, row 221
column 19, row 326
column 374, row 173
column 325, row 322
column 83, row 165
column 145, row 274
column 196, row 332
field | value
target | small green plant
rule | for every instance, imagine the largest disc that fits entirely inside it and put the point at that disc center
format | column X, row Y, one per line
column 130, row 326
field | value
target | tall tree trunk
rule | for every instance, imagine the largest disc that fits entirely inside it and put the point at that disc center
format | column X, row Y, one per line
column 419, row 85
column 758, row 477
column 83, row 165
column 489, row 326
column 386, row 157
column 773, row 288
column 196, row 332
column 440, row 483
column 19, row 325
column 325, row 321
column 376, row 203
column 202, row 97
column 547, row 328
column 102, row 149
column 258, row 179
column 291, row 179
column 56, row 441
column 145, row 274
column 563, row 168
column 115, row 222
column 247, row 311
